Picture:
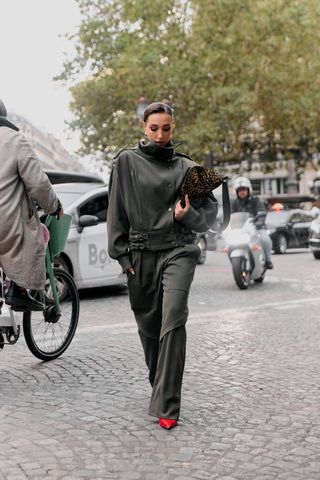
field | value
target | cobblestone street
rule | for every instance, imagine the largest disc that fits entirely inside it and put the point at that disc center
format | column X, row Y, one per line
column 250, row 405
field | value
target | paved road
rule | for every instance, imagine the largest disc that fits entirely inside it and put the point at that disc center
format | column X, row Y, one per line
column 251, row 393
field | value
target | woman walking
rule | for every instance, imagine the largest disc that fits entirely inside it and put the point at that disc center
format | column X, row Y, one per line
column 152, row 236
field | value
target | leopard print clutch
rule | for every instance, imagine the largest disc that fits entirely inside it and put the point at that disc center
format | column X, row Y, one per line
column 198, row 184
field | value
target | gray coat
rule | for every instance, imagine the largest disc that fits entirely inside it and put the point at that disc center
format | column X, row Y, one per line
column 22, row 250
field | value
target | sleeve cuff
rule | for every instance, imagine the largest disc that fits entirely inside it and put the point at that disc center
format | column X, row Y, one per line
column 125, row 262
column 190, row 218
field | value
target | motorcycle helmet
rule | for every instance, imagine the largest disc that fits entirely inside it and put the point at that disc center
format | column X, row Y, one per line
column 242, row 182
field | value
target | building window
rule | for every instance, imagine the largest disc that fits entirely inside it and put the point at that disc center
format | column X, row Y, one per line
column 268, row 186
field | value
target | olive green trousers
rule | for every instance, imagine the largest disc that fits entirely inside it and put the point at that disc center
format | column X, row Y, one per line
column 158, row 294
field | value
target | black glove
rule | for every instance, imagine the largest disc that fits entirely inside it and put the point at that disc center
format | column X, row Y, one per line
column 259, row 219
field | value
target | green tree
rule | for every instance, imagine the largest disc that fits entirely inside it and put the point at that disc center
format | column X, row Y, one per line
column 242, row 75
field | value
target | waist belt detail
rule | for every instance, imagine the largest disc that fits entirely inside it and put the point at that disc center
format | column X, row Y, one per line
column 160, row 240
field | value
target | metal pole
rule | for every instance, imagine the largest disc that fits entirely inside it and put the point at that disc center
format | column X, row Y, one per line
column 292, row 182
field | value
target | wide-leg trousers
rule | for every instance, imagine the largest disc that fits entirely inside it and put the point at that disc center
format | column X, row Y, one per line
column 158, row 294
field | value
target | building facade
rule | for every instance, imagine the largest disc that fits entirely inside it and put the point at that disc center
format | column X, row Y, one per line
column 280, row 178
column 48, row 148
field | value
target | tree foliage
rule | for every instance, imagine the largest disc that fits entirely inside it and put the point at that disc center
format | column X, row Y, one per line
column 243, row 75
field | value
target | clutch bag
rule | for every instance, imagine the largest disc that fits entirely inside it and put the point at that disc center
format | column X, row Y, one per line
column 198, row 184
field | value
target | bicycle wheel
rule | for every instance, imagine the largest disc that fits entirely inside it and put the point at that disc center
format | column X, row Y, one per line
column 49, row 333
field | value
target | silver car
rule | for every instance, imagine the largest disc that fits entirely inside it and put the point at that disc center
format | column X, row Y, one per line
column 314, row 239
column 86, row 253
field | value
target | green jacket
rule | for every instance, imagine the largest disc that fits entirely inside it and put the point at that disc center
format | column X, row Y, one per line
column 143, row 191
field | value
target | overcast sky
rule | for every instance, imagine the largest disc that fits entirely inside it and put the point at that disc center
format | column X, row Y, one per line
column 31, row 54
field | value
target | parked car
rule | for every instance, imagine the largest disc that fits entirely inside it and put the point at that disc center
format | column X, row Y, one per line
column 86, row 253
column 65, row 176
column 289, row 229
column 314, row 240
column 288, row 200
column 202, row 239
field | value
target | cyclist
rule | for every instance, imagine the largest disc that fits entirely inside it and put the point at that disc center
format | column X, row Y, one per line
column 22, row 247
column 246, row 202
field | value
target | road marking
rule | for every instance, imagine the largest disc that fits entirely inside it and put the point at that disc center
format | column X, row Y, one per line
column 194, row 318
column 254, row 308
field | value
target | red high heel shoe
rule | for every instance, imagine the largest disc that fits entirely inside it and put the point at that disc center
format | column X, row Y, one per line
column 167, row 423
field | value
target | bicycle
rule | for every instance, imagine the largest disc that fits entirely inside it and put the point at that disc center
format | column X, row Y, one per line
column 47, row 333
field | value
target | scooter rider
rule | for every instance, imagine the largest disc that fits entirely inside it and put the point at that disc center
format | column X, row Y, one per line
column 246, row 202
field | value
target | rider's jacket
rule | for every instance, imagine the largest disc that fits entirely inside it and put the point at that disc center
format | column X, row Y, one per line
column 22, row 249
column 252, row 205
column 143, row 191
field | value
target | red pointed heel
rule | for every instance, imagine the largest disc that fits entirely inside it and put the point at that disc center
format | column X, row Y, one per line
column 167, row 423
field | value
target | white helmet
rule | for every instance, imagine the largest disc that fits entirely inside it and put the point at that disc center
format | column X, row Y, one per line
column 242, row 182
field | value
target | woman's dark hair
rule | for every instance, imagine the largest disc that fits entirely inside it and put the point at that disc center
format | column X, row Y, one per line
column 157, row 107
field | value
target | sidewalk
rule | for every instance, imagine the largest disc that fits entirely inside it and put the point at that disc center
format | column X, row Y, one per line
column 250, row 407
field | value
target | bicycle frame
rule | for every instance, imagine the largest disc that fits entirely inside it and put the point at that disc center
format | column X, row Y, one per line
column 59, row 230
column 47, row 333
column 49, row 269
column 11, row 319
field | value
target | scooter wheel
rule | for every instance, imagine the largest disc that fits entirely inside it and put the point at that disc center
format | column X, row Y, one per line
column 240, row 272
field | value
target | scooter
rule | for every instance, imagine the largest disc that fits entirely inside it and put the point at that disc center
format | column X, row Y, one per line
column 244, row 249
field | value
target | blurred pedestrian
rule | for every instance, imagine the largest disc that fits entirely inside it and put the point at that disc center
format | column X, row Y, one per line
column 315, row 209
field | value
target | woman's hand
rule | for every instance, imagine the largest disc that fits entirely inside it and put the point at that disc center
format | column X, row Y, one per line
column 179, row 211
column 130, row 271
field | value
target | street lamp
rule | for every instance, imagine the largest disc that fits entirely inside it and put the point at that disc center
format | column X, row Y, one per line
column 209, row 159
